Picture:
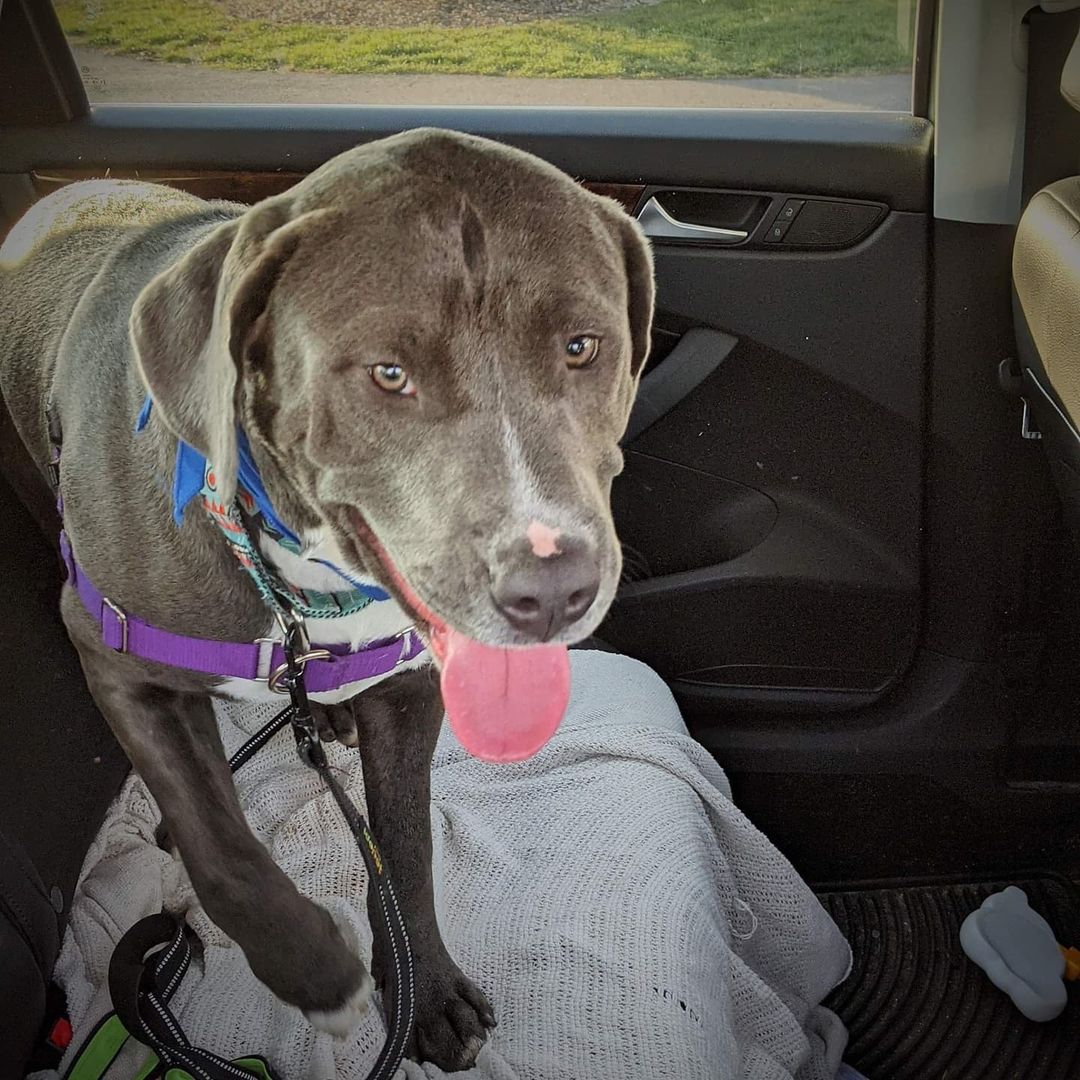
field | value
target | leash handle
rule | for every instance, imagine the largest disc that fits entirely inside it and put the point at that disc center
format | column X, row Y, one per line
column 146, row 968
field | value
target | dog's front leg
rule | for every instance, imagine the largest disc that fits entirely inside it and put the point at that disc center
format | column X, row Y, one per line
column 170, row 735
column 397, row 725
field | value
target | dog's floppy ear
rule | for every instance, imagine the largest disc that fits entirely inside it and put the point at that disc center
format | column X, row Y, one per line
column 641, row 289
column 190, row 323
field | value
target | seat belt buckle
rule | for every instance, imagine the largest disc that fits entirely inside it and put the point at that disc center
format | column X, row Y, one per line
column 1028, row 428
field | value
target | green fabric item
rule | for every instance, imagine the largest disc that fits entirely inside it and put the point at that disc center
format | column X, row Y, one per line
column 106, row 1041
column 99, row 1050
column 150, row 1066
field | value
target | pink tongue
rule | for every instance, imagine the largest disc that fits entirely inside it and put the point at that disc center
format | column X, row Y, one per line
column 503, row 704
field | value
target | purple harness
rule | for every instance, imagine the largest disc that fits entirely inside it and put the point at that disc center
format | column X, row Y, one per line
column 326, row 667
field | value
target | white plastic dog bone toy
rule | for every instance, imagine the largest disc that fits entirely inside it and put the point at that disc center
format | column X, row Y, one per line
column 1016, row 948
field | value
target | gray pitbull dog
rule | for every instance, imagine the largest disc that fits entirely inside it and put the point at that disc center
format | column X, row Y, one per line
column 431, row 345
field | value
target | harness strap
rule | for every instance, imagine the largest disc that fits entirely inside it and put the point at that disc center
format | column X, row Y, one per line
column 258, row 660
column 329, row 667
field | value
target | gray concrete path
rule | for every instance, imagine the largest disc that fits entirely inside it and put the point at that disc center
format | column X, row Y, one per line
column 124, row 78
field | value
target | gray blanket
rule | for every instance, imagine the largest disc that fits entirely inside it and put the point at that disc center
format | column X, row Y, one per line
column 623, row 916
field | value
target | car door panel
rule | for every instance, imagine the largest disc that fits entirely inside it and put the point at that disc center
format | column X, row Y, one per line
column 810, row 421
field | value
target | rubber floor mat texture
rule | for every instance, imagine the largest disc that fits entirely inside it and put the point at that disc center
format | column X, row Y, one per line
column 918, row 1009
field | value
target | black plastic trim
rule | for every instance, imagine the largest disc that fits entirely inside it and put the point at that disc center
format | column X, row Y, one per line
column 39, row 80
column 922, row 68
column 698, row 354
column 1031, row 380
column 884, row 156
column 793, row 700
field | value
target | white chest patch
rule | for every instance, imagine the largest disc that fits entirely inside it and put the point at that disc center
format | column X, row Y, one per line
column 380, row 620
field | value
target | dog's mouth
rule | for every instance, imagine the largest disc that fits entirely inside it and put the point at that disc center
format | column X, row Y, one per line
column 503, row 704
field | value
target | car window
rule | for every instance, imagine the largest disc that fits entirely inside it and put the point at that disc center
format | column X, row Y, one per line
column 795, row 54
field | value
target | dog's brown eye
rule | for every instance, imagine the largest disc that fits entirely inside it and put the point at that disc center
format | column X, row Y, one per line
column 581, row 351
column 392, row 378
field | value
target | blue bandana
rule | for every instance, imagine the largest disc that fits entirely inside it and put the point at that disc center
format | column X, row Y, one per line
column 190, row 481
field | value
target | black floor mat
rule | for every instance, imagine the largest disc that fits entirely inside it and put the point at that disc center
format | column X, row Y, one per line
column 918, row 1009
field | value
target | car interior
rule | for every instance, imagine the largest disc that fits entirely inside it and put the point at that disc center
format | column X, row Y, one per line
column 850, row 507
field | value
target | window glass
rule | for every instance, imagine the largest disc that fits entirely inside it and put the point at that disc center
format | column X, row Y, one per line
column 816, row 54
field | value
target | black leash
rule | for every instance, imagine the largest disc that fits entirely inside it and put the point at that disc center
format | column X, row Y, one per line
column 399, row 991
column 141, row 986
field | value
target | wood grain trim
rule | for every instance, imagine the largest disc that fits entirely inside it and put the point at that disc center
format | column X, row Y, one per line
column 245, row 187
column 627, row 195
column 250, row 187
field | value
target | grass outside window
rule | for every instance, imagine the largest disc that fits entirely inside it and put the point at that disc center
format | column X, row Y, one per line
column 702, row 39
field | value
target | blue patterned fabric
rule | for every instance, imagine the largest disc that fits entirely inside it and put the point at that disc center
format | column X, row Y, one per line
column 192, row 478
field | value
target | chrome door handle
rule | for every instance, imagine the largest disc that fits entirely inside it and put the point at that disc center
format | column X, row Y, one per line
column 660, row 225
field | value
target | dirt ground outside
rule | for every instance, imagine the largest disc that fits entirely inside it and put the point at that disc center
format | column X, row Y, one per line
column 111, row 79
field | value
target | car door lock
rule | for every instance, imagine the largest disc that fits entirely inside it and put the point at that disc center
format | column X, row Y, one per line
column 782, row 222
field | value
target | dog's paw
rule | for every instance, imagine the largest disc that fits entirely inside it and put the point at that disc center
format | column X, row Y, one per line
column 335, row 722
column 452, row 1020
column 339, row 1022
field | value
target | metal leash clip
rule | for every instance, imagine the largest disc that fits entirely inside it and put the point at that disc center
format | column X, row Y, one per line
column 289, row 679
column 298, row 652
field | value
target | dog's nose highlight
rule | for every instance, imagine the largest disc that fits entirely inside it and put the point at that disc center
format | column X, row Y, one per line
column 540, row 596
column 544, row 539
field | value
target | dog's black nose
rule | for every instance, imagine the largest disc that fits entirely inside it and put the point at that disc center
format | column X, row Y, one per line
column 540, row 596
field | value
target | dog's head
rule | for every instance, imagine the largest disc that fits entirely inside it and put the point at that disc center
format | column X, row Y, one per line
column 432, row 343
